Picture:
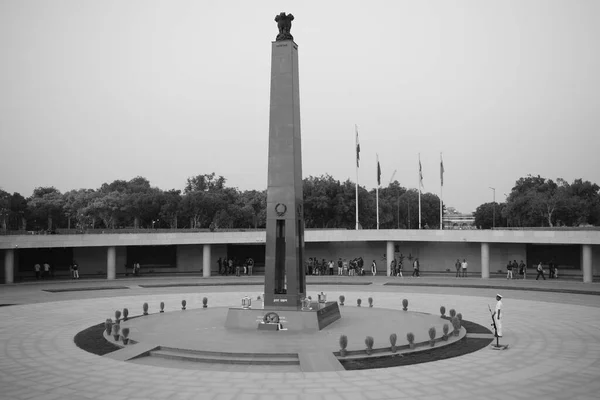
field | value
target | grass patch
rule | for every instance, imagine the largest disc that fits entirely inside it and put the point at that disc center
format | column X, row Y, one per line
column 92, row 341
column 464, row 346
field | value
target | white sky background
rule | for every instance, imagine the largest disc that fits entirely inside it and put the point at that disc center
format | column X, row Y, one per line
column 93, row 91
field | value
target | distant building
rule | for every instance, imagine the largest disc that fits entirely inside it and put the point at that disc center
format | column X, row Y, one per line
column 459, row 221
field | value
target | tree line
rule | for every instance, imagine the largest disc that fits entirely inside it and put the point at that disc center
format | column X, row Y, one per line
column 535, row 201
column 207, row 202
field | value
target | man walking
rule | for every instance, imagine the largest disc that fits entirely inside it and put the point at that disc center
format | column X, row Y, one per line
column 37, row 268
column 416, row 266
column 374, row 268
column 540, row 271
column 464, row 266
column 498, row 315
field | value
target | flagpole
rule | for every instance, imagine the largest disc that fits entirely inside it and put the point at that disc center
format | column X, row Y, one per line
column 357, row 158
column 356, row 197
column 420, row 190
column 377, row 191
column 441, row 192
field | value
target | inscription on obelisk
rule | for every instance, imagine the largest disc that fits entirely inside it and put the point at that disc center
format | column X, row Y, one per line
column 285, row 284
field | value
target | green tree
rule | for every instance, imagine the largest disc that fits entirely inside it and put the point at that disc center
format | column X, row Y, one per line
column 46, row 204
column 170, row 207
column 484, row 215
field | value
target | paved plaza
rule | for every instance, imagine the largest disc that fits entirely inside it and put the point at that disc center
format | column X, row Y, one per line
column 553, row 333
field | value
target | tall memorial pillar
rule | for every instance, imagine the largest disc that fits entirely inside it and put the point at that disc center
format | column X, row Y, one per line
column 285, row 304
column 285, row 284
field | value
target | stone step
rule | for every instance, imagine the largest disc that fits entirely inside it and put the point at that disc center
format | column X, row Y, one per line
column 227, row 358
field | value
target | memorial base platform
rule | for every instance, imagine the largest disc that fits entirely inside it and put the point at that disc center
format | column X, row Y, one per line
column 318, row 317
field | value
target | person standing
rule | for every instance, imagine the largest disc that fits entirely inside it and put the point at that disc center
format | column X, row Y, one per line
column 76, row 270
column 37, row 269
column 540, row 271
column 393, row 267
column 509, row 270
column 331, row 267
column 250, row 265
column 373, row 268
column 498, row 315
column 457, row 266
column 340, row 266
column 464, row 266
column 551, row 269
column 523, row 269
column 220, row 264
column 46, row 270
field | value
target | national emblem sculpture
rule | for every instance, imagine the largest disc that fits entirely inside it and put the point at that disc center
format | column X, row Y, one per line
column 284, row 23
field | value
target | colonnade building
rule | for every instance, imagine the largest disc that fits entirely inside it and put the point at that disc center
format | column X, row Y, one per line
column 111, row 255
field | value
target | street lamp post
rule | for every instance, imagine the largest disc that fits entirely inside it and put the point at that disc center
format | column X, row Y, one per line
column 494, row 212
column 506, row 202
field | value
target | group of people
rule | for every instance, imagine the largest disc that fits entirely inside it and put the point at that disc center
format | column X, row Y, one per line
column 43, row 271
column 397, row 266
column 513, row 267
column 552, row 271
column 231, row 265
column 461, row 268
column 354, row 267
column 521, row 268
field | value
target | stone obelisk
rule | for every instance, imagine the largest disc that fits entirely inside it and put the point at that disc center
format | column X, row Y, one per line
column 285, row 284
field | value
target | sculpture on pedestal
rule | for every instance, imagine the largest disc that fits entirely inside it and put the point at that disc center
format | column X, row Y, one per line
column 284, row 23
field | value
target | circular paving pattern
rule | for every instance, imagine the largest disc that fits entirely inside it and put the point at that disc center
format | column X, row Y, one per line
column 554, row 354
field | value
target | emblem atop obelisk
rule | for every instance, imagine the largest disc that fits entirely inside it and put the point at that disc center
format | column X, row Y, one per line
column 284, row 23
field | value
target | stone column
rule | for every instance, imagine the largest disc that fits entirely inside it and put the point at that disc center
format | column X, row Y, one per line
column 485, row 261
column 9, row 266
column 111, row 262
column 586, row 262
column 206, row 261
column 389, row 256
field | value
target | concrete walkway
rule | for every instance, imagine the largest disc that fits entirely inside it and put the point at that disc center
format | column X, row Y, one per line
column 554, row 342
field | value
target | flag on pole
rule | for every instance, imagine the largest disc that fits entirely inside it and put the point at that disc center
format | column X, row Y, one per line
column 378, row 172
column 441, row 170
column 420, row 174
column 357, row 148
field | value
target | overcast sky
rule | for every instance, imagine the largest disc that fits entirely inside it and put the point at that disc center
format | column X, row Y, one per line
column 93, row 91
